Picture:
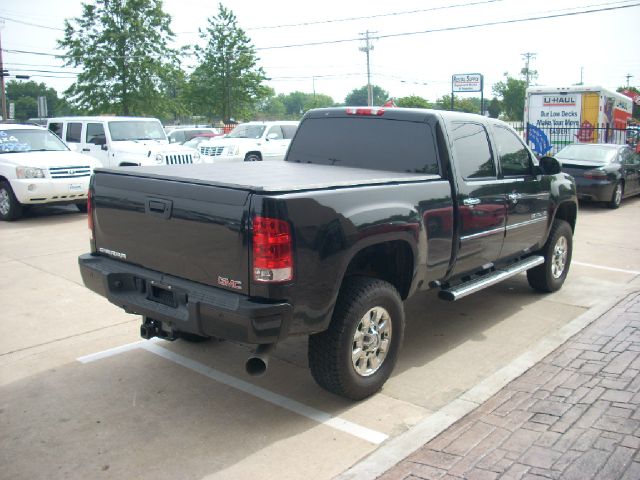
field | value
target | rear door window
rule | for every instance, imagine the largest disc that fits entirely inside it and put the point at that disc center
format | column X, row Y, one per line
column 372, row 143
column 74, row 132
column 473, row 154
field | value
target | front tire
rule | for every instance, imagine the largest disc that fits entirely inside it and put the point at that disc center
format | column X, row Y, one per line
column 10, row 208
column 252, row 157
column 616, row 196
column 355, row 356
column 550, row 276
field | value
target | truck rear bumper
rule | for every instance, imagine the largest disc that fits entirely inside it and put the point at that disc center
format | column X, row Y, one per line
column 184, row 305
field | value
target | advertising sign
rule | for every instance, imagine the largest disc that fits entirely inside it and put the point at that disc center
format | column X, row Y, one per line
column 466, row 82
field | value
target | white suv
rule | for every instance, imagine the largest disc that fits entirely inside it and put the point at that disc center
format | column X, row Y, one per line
column 37, row 168
column 251, row 142
column 122, row 141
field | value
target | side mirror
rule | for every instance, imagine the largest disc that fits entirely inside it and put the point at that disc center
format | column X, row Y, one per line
column 550, row 166
column 104, row 147
column 272, row 136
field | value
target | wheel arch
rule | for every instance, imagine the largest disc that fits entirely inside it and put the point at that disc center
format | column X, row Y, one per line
column 392, row 261
column 567, row 211
column 253, row 152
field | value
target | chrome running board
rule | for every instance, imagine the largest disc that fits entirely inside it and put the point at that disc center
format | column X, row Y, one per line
column 472, row 286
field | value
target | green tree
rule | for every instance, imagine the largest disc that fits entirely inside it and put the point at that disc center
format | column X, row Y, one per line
column 511, row 93
column 495, row 108
column 359, row 96
column 460, row 104
column 412, row 101
column 227, row 83
column 25, row 96
column 122, row 48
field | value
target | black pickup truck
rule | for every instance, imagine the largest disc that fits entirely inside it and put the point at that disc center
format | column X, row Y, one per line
column 370, row 206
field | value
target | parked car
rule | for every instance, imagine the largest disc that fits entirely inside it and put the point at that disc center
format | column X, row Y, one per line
column 182, row 135
column 37, row 168
column 251, row 142
column 122, row 141
column 603, row 172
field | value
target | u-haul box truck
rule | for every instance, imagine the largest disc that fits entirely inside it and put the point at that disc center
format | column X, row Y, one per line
column 558, row 116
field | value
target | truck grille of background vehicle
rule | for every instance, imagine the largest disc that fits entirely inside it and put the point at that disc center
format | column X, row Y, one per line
column 69, row 172
column 211, row 151
column 178, row 159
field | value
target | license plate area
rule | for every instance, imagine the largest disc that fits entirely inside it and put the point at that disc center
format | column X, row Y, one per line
column 162, row 294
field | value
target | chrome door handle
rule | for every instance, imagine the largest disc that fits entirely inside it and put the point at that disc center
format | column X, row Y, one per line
column 470, row 202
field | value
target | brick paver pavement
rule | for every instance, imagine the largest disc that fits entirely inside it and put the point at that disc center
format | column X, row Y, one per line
column 574, row 415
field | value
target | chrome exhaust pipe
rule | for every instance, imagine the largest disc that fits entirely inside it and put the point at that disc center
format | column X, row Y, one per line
column 258, row 361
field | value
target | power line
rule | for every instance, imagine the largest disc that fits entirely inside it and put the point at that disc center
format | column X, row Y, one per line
column 449, row 29
column 368, row 17
column 30, row 24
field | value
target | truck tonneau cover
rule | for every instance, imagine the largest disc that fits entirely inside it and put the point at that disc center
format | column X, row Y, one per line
column 275, row 176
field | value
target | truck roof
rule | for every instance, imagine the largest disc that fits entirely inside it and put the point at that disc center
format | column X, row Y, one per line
column 394, row 113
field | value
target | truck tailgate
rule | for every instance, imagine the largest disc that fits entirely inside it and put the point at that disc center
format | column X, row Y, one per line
column 180, row 228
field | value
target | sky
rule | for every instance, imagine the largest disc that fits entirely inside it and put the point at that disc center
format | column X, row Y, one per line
column 417, row 45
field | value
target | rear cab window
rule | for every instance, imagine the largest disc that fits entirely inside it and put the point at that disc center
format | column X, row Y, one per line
column 371, row 143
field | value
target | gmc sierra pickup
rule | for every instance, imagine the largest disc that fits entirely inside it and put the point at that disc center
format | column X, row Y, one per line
column 369, row 206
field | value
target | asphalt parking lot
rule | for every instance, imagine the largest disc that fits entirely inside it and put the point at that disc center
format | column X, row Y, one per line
column 81, row 396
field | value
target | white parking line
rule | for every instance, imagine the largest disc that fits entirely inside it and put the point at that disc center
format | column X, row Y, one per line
column 112, row 351
column 316, row 415
column 611, row 269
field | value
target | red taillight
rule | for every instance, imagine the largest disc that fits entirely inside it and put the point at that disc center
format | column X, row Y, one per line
column 366, row 111
column 595, row 174
column 272, row 250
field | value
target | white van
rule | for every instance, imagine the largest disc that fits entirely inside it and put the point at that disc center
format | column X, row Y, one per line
column 121, row 141
column 37, row 168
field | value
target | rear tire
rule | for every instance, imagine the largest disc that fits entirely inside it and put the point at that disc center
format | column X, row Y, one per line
column 82, row 207
column 355, row 356
column 10, row 208
column 616, row 196
column 550, row 276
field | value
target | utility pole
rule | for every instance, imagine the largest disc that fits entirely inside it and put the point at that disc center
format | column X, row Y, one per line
column 2, row 91
column 366, row 49
column 627, row 76
column 527, row 58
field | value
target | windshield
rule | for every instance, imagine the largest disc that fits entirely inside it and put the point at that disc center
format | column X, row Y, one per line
column 588, row 153
column 29, row 140
column 136, row 130
column 247, row 131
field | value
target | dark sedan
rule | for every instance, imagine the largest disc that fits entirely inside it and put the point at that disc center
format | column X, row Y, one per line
column 603, row 172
